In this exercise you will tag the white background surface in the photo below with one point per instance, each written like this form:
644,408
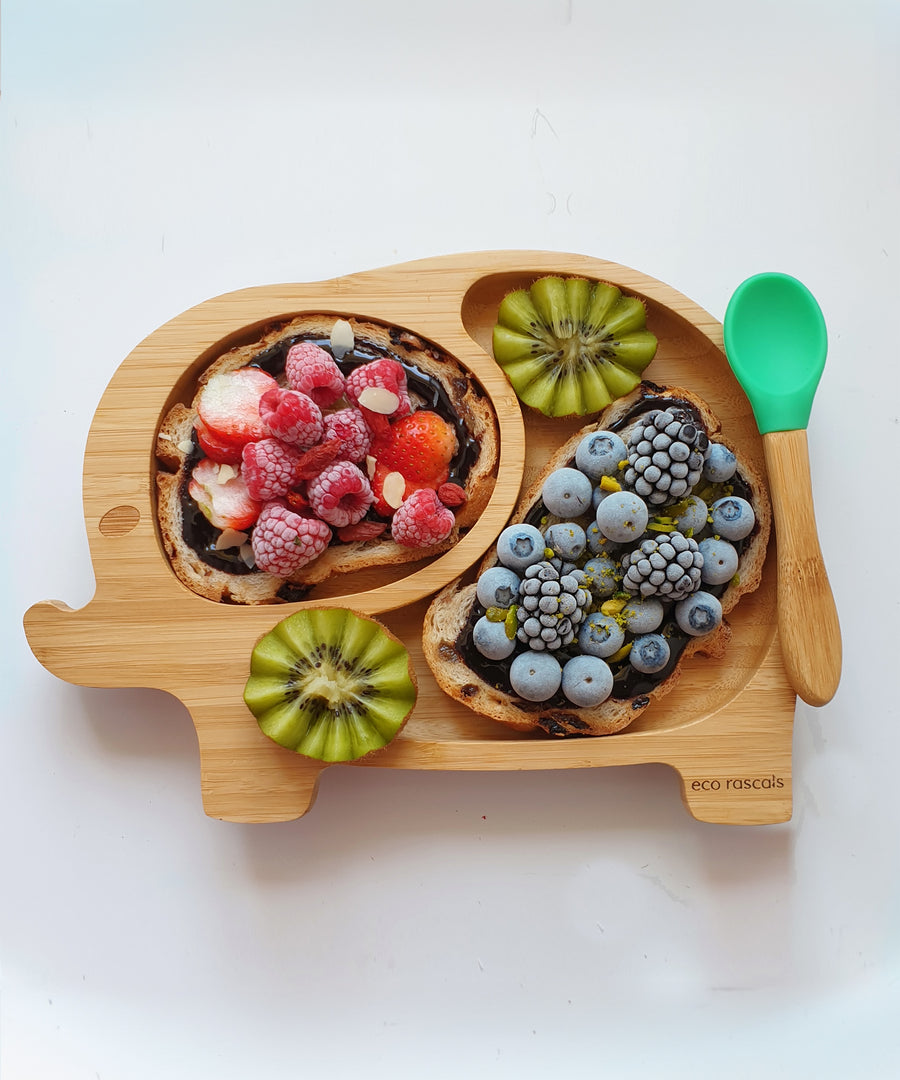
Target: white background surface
414,924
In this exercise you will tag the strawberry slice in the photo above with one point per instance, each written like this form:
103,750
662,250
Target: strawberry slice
226,504
224,451
228,408
380,504
421,446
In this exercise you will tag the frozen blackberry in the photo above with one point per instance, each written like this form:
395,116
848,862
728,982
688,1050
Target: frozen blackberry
665,456
552,607
667,565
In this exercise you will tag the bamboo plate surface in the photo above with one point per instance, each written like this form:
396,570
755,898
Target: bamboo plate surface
727,726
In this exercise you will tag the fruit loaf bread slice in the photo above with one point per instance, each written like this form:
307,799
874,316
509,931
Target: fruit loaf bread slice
434,381
484,684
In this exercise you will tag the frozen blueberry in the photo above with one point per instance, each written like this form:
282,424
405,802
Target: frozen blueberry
586,681
498,587
692,519
698,614
720,463
720,561
596,541
732,517
567,493
567,539
491,639
642,614
649,653
598,495
519,546
600,635
535,676
622,517
599,454
602,575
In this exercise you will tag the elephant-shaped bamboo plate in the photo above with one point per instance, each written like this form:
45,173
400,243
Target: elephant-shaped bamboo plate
727,726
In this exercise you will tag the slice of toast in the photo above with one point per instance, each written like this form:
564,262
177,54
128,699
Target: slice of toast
482,687
436,381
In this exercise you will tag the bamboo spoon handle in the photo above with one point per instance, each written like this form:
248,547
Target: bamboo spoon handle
807,617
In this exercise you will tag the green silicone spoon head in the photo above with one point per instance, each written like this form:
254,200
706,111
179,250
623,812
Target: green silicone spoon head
776,342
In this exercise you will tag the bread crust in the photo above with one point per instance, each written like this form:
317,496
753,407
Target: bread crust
174,460
449,613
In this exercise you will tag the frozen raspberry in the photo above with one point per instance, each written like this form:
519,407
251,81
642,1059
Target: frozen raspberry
349,425
340,494
422,520
270,468
292,417
283,541
309,369
386,374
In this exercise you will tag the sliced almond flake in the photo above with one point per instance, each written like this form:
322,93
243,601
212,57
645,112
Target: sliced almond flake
186,446
371,462
379,400
394,489
247,555
342,339
226,473
230,538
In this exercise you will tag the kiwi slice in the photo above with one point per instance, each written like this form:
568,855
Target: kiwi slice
330,684
570,346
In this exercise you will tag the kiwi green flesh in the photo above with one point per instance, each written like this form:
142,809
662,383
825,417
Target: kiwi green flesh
518,313
570,346
330,684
